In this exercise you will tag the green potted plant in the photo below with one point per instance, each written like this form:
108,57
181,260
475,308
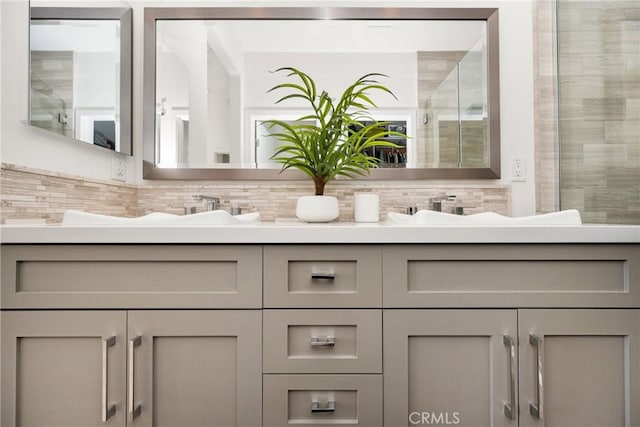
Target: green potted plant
336,138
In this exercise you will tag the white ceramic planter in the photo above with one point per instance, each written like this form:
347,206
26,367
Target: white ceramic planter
317,208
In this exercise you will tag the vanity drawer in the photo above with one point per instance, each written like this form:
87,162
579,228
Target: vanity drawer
131,276
322,341
317,276
307,399
542,275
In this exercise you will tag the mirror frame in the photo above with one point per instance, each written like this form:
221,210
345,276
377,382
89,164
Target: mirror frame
151,15
124,15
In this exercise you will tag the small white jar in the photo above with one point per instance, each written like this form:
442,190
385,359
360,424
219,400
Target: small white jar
365,207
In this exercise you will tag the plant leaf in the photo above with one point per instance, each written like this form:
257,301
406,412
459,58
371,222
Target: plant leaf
337,142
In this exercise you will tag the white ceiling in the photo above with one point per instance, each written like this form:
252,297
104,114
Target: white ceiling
75,35
344,36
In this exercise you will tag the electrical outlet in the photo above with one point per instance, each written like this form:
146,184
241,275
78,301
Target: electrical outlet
517,169
119,168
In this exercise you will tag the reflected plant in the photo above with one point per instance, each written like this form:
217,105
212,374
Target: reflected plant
332,139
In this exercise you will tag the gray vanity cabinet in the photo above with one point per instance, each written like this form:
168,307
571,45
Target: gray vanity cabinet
195,368
574,367
163,368
322,276
542,335
517,335
174,333
322,352
132,276
589,368
63,368
449,367
511,275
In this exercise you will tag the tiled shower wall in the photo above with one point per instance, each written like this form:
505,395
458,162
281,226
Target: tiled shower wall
52,90
29,195
433,69
599,109
438,141
589,158
545,106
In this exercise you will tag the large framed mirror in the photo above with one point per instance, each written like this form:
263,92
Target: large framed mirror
208,71
80,74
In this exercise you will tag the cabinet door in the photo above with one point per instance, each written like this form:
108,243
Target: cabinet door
195,368
579,368
63,368
450,367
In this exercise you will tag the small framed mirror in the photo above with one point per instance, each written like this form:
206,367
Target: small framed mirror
80,74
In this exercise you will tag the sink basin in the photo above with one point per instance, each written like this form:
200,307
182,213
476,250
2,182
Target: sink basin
219,217
425,217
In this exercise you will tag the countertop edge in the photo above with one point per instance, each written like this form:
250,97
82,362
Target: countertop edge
340,233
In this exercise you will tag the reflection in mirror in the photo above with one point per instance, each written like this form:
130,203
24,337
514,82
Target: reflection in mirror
80,64
209,90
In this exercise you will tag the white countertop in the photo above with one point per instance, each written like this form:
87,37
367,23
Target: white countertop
299,233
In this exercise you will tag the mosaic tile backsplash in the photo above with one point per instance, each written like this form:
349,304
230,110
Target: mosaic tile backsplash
36,196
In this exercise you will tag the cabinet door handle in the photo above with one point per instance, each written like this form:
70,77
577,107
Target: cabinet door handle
327,342
509,408
107,410
537,408
134,410
331,406
323,276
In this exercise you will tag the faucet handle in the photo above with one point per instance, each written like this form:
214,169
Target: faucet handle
212,202
237,207
436,202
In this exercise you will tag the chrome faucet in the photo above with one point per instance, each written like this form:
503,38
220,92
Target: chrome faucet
435,203
235,208
212,202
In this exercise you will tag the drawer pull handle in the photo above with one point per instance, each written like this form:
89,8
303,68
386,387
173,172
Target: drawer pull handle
537,408
509,408
331,406
327,342
134,410
107,410
323,276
